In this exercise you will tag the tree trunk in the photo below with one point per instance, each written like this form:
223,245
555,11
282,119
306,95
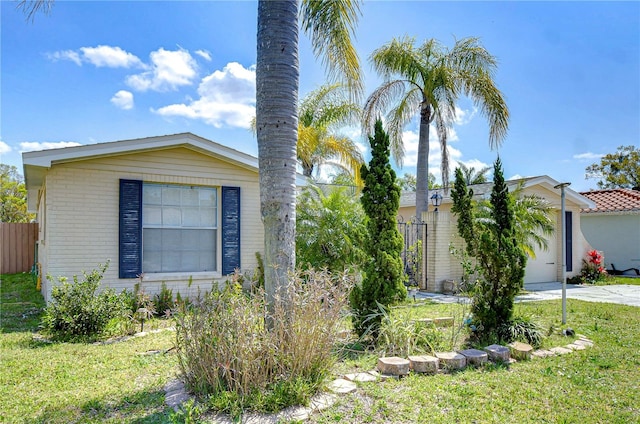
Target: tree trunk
277,131
422,167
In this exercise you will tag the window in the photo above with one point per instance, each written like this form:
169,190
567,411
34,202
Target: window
174,228
179,228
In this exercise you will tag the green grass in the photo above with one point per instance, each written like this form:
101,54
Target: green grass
73,382
597,385
90,383
21,303
615,279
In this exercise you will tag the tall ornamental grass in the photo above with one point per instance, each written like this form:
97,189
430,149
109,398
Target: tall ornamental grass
244,355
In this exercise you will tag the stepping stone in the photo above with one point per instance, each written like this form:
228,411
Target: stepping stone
560,350
175,394
361,377
342,386
291,414
498,353
322,401
474,356
583,342
173,386
443,322
452,360
392,365
424,364
541,353
175,399
520,351
574,346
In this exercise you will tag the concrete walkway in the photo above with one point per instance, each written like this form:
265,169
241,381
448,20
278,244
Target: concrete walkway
621,294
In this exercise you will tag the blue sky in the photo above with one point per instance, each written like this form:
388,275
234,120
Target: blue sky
104,71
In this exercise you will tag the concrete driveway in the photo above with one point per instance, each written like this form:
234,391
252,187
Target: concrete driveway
621,294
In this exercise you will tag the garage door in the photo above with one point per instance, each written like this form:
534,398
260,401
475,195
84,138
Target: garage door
544,268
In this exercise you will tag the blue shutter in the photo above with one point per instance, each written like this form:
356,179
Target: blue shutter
230,229
130,239
569,247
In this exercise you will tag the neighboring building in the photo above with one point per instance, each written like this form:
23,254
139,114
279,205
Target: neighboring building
441,231
613,226
178,209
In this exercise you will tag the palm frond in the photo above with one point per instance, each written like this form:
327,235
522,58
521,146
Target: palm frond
32,7
331,25
442,129
398,117
380,101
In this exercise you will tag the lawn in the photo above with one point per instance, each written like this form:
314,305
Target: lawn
73,382
597,385
66,382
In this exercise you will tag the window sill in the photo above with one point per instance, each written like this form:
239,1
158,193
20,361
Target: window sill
181,276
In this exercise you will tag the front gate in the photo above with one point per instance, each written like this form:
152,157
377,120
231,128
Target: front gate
413,233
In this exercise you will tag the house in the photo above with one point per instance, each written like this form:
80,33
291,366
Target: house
613,226
178,209
441,232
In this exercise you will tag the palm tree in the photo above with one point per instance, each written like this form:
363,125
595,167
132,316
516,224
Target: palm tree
533,219
330,24
429,79
471,176
320,112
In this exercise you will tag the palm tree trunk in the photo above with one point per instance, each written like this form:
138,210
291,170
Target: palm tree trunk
422,167
277,74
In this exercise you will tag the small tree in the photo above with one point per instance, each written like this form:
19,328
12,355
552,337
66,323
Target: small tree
382,283
494,244
618,170
13,196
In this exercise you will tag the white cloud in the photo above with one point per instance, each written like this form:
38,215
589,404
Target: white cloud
588,156
227,97
110,57
204,54
123,99
99,56
65,55
4,148
410,140
464,116
30,146
169,70
473,163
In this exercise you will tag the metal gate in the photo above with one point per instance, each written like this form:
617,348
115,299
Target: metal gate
413,233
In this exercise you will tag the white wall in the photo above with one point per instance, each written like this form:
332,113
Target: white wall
616,235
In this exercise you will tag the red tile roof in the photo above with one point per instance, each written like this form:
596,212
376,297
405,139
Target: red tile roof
614,200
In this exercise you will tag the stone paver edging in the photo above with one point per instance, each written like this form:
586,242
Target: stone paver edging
390,367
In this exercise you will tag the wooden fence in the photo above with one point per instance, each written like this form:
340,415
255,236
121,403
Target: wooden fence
17,244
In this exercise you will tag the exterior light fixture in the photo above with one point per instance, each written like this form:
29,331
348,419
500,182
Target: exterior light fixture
562,186
436,200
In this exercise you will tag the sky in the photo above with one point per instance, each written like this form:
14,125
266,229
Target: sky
93,72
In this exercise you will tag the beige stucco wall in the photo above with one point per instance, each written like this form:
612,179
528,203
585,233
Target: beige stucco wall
81,212
616,235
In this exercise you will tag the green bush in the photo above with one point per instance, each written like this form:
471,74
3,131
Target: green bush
78,312
523,329
228,352
163,302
